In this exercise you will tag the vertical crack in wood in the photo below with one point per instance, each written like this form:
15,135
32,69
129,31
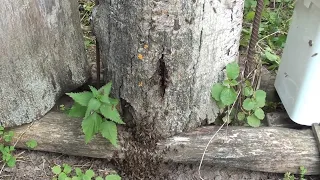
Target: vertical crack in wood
163,73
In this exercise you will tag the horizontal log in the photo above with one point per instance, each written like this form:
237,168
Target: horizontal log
267,149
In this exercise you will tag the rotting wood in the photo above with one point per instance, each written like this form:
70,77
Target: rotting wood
268,149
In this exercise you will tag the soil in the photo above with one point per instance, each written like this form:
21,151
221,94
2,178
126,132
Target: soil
33,165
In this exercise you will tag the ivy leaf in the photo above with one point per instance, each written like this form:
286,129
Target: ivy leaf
233,70
248,104
82,98
93,105
106,89
259,113
228,96
110,112
109,131
260,97
113,177
253,121
89,173
77,111
56,169
216,91
90,126
248,91
67,169
241,116
32,144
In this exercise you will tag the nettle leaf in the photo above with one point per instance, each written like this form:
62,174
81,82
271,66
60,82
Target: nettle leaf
248,104
56,170
233,70
228,96
113,177
90,126
77,111
260,97
114,101
95,92
253,121
241,116
216,91
109,131
248,91
82,98
111,112
93,105
106,89
259,113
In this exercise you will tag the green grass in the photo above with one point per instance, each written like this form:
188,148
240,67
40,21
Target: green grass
275,22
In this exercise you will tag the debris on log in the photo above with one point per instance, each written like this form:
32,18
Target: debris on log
267,149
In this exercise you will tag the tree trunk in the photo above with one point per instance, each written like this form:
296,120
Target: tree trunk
267,149
164,56
42,56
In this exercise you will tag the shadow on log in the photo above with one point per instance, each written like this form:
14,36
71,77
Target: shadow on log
268,149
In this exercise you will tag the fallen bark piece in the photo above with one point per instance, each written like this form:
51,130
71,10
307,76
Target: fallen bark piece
268,149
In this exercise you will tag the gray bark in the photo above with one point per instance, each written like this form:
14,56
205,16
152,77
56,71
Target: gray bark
268,149
42,56
184,45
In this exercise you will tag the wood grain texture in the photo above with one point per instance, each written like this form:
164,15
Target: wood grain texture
268,149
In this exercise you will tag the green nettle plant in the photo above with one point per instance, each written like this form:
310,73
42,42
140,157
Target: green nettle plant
226,93
6,151
98,111
65,173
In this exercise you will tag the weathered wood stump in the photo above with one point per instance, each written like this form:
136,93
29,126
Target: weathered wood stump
268,149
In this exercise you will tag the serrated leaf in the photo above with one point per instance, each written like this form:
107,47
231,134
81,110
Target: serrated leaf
216,91
62,176
56,169
32,144
248,91
260,97
79,172
77,111
253,121
113,101
82,98
233,70
111,112
228,96
106,89
241,116
90,126
11,162
248,104
89,173
94,91
93,105
113,177
67,169
109,131
259,113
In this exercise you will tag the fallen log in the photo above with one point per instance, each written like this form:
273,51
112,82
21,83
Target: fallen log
267,149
